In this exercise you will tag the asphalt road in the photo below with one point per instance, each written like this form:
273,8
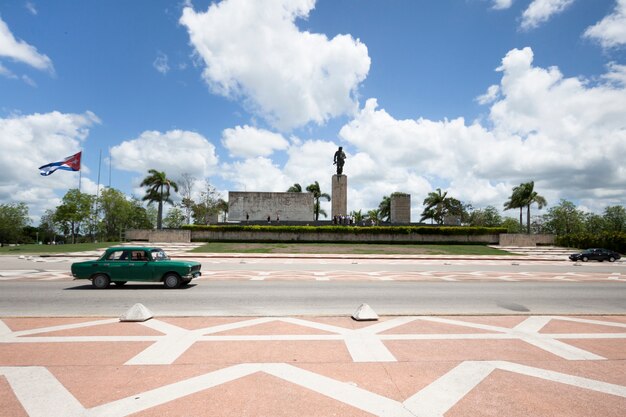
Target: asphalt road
278,298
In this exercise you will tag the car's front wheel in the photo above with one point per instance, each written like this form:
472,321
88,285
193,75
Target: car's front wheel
585,259
611,258
101,281
171,281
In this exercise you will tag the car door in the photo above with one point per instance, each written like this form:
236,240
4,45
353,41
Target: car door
115,264
139,266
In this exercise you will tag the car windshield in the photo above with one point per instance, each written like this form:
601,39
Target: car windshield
159,255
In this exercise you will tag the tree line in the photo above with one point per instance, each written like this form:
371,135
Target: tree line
85,217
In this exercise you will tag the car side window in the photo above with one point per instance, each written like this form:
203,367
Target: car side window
138,255
117,255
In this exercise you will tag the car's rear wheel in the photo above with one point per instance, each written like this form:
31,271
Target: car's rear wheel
585,259
171,281
611,258
101,281
120,283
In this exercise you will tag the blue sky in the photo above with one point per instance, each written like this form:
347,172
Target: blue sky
472,96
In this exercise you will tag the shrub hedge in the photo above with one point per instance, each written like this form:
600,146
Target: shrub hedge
609,240
398,230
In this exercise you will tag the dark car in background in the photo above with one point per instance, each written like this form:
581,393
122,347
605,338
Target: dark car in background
119,265
595,254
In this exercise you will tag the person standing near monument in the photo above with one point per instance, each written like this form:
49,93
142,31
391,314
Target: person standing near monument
339,160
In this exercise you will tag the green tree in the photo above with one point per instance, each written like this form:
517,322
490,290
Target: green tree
186,184
434,206
487,217
207,206
222,207
511,225
374,216
594,223
47,227
116,213
516,200
158,191
615,219
317,195
384,209
564,219
75,210
529,197
358,216
296,188
13,219
175,218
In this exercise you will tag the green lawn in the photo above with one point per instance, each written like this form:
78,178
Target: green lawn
45,249
347,248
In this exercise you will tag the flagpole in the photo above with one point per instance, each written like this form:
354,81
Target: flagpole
98,188
80,171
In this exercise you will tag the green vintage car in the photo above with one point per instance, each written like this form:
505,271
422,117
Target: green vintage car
136,263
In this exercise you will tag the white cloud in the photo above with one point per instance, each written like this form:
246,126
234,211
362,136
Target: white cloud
21,51
5,72
254,50
175,152
610,31
249,141
490,96
30,141
256,174
502,4
31,8
161,63
566,134
540,11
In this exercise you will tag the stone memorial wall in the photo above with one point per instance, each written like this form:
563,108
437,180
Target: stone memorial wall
278,206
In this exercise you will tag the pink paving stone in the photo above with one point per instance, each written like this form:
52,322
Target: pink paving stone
512,395
9,404
96,385
398,381
565,326
428,327
265,351
194,323
273,328
613,372
607,348
460,350
111,329
501,321
257,395
61,354
347,322
28,323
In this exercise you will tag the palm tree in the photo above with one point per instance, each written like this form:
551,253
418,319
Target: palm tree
434,206
516,200
374,216
296,188
317,194
384,209
530,196
158,191
358,216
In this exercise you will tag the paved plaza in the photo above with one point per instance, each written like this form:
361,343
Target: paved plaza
427,366
314,366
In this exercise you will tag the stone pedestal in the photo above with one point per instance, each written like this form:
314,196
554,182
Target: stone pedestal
400,208
339,197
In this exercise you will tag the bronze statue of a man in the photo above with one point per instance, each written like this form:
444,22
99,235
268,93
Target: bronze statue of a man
339,160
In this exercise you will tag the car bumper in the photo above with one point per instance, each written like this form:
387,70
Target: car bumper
192,275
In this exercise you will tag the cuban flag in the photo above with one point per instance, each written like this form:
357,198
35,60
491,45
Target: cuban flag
71,163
